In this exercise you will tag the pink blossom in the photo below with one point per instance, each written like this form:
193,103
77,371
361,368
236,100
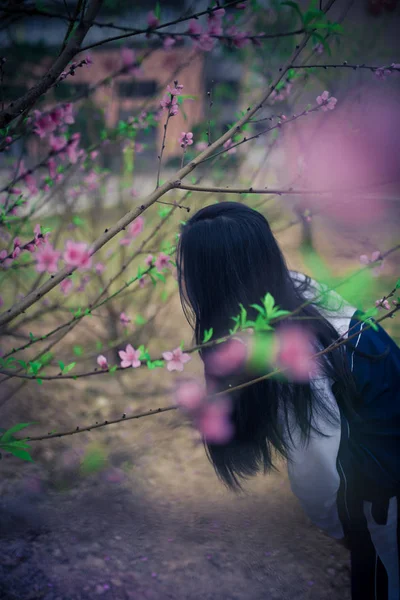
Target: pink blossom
142,282
92,181
239,38
149,260
194,27
228,357
76,254
152,20
68,116
124,318
30,183
228,147
169,42
44,124
128,61
17,248
326,102
176,359
185,139
176,90
40,239
5,262
170,103
66,286
72,148
375,257
47,258
382,304
57,143
102,361
94,154
162,261
215,21
213,422
129,357
57,116
136,227
99,268
200,146
189,395
295,353
205,42
318,48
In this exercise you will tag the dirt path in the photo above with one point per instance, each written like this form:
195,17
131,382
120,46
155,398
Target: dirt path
155,524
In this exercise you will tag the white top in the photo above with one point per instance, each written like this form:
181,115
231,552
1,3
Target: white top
312,468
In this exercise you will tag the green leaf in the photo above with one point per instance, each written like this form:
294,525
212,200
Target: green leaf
160,276
113,368
69,367
139,320
99,345
208,335
295,7
22,363
78,221
62,365
78,350
78,313
31,336
8,434
20,453
397,286
259,308
157,11
34,367
40,381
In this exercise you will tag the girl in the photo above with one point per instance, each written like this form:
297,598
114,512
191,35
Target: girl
339,432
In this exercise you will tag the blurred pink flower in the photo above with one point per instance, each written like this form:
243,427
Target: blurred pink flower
168,42
129,357
189,395
194,27
99,267
295,353
149,260
228,357
176,359
200,146
124,318
162,261
47,258
102,361
66,285
152,20
214,423
76,254
228,145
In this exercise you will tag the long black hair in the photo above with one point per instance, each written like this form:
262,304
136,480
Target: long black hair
227,255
